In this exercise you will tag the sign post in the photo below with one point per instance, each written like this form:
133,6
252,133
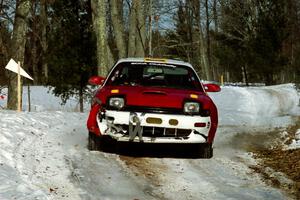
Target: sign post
222,80
19,87
16,67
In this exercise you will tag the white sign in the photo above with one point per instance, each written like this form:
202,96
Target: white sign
13,66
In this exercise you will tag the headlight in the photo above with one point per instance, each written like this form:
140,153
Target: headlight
117,102
191,108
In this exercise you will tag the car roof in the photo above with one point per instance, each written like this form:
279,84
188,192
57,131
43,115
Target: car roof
156,60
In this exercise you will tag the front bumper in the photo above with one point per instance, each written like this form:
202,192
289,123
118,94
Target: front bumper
154,128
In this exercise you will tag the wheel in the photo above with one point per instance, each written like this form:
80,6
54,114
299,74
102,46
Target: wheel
93,142
206,150
101,143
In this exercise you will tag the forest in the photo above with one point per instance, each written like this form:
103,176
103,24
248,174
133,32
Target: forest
61,43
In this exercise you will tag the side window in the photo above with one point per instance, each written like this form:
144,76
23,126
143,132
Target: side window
114,77
122,77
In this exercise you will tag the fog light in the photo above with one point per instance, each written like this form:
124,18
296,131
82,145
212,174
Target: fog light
153,120
173,122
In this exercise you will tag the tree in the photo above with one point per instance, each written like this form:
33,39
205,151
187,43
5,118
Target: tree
205,55
33,50
104,56
140,30
4,54
43,38
18,48
71,50
118,27
267,43
291,46
208,40
132,37
188,41
257,34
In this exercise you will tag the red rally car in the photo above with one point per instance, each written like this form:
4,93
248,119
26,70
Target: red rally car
153,101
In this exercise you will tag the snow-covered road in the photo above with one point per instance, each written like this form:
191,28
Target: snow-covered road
43,155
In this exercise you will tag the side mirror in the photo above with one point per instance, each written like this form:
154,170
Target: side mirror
96,80
210,87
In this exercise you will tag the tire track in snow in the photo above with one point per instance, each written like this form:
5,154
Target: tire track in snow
40,160
225,176
148,169
104,176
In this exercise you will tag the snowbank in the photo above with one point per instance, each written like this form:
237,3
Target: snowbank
257,106
34,148
42,99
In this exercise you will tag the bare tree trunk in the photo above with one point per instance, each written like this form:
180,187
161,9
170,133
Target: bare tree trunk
189,17
150,28
44,44
245,76
34,63
29,98
18,49
201,49
208,50
132,29
81,99
110,58
215,63
118,26
2,47
215,13
99,22
203,55
140,30
4,57
137,30
34,59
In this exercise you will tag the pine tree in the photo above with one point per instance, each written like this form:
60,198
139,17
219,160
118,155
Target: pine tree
71,56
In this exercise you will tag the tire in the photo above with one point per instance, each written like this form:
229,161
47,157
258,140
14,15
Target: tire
101,143
93,142
206,150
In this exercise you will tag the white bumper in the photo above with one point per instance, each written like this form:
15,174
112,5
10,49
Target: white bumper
172,128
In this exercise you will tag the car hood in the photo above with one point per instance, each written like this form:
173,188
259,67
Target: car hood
153,96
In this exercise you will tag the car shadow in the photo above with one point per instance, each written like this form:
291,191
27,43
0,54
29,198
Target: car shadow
153,150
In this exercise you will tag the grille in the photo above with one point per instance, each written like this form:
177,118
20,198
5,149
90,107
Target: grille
162,132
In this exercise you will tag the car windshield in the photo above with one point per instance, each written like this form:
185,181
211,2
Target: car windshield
154,75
